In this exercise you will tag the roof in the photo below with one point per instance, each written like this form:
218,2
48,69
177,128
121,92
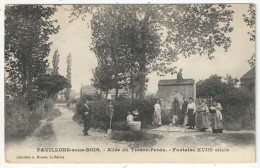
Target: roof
120,91
250,74
89,89
176,82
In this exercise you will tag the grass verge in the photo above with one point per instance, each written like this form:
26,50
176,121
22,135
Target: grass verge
136,138
45,132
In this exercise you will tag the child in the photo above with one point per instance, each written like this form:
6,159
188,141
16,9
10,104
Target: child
130,117
136,115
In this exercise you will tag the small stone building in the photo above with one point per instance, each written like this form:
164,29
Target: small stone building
169,89
248,81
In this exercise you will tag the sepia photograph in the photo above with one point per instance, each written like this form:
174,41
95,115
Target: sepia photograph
130,83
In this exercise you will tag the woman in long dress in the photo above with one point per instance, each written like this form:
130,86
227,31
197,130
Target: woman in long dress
216,117
202,116
191,113
157,118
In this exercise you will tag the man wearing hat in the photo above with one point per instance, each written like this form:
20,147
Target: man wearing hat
86,115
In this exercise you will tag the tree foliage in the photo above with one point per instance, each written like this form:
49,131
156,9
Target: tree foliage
27,45
219,88
252,60
250,21
52,84
69,64
154,36
103,78
55,62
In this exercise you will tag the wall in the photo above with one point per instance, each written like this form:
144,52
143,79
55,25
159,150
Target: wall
167,93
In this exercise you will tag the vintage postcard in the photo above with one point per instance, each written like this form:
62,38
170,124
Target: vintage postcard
130,83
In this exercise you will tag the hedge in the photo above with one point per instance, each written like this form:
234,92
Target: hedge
121,107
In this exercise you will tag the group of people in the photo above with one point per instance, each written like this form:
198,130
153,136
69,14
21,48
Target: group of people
86,113
198,116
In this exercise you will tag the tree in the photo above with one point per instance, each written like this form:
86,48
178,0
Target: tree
103,78
109,45
230,81
69,63
211,87
172,30
55,62
52,84
251,61
249,19
27,45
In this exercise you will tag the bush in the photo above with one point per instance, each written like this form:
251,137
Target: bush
48,105
238,105
121,107
21,119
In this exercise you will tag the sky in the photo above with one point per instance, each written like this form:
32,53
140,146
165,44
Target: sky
75,38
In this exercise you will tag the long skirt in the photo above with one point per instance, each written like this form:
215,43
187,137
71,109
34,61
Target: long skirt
185,120
216,124
157,118
191,118
202,120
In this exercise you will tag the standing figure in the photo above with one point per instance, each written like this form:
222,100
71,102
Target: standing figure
191,113
157,118
202,116
110,112
184,112
86,115
179,76
216,117
176,111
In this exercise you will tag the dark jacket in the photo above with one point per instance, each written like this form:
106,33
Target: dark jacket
86,110
184,107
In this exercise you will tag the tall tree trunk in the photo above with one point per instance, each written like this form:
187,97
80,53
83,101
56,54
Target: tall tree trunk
106,93
116,72
141,53
132,94
117,91
142,75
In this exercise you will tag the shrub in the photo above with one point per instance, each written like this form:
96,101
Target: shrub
21,119
238,105
48,105
121,108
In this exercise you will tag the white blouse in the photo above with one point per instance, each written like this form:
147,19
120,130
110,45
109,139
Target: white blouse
157,107
191,106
